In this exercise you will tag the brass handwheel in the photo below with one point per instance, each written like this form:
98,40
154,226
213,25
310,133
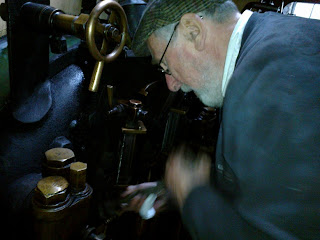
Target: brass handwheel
90,30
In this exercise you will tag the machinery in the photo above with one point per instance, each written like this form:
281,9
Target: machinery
85,119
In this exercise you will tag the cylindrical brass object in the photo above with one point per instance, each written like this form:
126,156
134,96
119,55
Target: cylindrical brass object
46,18
59,157
78,172
58,162
110,95
97,71
75,25
96,76
59,214
64,22
51,190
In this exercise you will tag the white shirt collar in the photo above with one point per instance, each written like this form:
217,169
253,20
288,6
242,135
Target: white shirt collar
234,49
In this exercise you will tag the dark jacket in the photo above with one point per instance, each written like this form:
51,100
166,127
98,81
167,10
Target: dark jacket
267,167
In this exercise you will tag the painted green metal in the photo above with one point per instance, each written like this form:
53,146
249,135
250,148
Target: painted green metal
4,73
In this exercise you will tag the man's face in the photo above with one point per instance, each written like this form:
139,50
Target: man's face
190,70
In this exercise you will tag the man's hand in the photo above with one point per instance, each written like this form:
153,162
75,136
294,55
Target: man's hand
184,173
137,201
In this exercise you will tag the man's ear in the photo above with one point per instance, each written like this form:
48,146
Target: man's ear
193,30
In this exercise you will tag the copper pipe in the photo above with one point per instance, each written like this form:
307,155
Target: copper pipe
63,22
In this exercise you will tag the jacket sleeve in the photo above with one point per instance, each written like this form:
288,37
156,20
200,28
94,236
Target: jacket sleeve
208,215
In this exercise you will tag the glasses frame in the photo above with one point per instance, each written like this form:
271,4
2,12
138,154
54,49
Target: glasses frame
160,68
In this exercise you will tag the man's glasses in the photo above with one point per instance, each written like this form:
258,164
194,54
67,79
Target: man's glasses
160,68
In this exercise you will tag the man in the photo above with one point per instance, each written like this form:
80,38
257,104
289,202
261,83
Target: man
264,69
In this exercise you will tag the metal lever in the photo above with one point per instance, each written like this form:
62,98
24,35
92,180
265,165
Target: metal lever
110,95
109,32
97,71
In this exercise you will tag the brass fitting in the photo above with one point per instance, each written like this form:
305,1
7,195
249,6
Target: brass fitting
58,161
51,190
78,172
59,157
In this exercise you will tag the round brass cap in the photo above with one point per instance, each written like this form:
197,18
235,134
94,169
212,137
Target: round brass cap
78,166
59,157
51,190
78,172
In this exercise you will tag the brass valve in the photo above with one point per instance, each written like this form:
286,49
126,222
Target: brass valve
86,27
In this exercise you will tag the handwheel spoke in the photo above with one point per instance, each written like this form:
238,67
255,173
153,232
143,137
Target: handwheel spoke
112,32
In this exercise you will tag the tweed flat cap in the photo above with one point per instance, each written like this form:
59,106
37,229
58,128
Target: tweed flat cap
160,13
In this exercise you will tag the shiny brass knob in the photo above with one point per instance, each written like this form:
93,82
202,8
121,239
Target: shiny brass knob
135,103
59,157
78,171
51,190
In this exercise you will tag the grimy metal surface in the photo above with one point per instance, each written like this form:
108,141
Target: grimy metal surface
28,53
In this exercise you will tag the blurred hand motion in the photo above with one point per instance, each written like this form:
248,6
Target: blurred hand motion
135,195
186,169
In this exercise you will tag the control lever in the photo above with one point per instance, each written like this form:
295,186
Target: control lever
99,55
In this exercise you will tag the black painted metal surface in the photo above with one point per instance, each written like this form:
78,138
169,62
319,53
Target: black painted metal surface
28,63
22,146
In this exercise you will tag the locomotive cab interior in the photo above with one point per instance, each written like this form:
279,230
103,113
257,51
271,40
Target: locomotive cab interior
82,118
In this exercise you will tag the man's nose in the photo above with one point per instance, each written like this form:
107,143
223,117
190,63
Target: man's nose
173,84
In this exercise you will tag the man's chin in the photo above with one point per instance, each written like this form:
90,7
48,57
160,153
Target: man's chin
205,97
210,101
185,88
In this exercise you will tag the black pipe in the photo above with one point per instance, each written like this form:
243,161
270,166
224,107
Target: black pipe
262,6
38,16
